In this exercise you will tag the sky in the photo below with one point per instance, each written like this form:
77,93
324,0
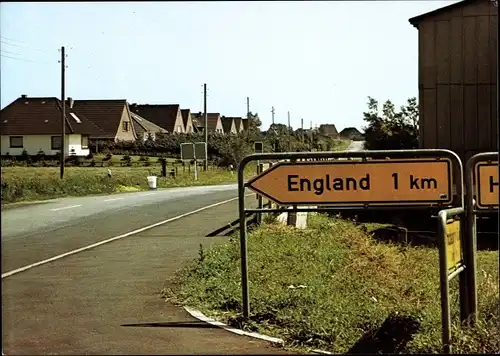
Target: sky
317,60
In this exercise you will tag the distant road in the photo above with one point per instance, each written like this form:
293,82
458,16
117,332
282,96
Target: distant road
356,146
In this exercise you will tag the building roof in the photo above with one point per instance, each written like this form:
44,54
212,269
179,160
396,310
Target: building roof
244,123
212,119
161,115
238,122
106,114
143,126
328,129
186,115
227,124
417,19
42,116
197,120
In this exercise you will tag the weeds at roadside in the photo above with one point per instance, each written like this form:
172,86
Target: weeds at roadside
333,287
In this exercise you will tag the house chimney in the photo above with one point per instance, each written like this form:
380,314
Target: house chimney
70,102
24,96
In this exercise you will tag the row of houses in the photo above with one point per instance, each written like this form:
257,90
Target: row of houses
33,124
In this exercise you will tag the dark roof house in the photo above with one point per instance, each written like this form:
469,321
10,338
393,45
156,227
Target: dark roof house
187,120
245,124
214,122
329,130
111,116
167,116
228,125
238,122
42,116
144,127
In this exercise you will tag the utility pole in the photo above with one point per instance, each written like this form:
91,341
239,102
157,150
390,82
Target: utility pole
63,104
205,115
302,128
248,107
272,112
289,133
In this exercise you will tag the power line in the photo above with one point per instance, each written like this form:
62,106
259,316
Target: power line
13,40
20,46
8,52
23,59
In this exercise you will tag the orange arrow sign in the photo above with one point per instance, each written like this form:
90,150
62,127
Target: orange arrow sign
487,187
357,182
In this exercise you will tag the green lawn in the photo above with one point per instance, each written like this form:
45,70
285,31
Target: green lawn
38,183
331,285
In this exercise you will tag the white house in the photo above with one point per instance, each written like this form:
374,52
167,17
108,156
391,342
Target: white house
34,124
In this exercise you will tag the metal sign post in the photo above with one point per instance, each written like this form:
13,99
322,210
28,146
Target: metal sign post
481,181
451,264
415,179
200,149
188,153
258,147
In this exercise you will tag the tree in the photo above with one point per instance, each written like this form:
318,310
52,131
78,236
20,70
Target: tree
391,129
254,124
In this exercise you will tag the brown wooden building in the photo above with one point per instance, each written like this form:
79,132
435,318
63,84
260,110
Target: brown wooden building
457,49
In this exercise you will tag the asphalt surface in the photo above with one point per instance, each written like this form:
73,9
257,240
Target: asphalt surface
81,304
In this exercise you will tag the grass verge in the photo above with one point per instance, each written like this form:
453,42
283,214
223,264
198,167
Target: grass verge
38,183
333,287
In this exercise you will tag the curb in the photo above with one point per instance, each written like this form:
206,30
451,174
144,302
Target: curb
202,317
21,204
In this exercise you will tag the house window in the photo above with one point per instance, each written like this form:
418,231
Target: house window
85,141
125,126
55,142
16,141
179,129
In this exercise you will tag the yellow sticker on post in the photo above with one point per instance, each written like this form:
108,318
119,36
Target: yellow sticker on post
453,246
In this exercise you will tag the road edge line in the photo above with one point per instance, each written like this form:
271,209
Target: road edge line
202,317
195,313
134,232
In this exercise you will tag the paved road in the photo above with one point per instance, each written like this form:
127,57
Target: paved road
80,304
356,146
57,212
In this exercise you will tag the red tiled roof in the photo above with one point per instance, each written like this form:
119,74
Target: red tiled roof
161,115
42,116
106,114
